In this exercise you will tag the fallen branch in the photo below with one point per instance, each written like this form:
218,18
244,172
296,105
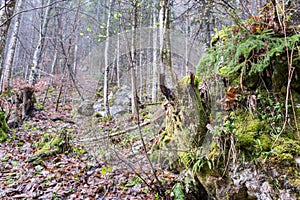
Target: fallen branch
157,115
62,119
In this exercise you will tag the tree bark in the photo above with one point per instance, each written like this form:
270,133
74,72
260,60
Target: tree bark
165,40
6,11
154,65
106,71
38,51
134,102
11,49
118,51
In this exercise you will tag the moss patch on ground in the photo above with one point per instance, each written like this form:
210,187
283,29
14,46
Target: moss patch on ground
3,127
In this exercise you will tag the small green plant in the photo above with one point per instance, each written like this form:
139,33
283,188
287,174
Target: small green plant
134,182
105,170
156,196
270,110
178,191
200,163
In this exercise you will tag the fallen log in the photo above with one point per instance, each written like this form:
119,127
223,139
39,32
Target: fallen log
156,116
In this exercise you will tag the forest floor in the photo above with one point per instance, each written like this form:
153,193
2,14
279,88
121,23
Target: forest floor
78,167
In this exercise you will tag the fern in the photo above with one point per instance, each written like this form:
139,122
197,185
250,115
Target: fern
245,53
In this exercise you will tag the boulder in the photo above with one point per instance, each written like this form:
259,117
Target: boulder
119,102
86,108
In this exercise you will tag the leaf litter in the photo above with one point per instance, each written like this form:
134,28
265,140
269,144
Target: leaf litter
75,173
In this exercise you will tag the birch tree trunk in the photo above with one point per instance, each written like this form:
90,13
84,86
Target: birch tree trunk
161,21
134,102
106,71
6,11
6,77
75,56
118,51
140,65
38,51
154,65
75,35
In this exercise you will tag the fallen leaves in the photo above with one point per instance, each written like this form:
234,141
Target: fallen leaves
230,100
73,174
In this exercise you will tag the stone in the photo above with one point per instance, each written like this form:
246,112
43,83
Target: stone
86,108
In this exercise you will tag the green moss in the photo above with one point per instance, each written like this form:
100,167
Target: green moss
47,144
285,149
3,136
246,140
185,81
56,142
214,153
45,149
185,126
295,182
265,142
285,157
247,131
3,124
3,127
287,145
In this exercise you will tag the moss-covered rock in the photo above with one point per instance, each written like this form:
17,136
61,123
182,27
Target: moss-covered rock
285,149
255,148
3,127
250,132
52,144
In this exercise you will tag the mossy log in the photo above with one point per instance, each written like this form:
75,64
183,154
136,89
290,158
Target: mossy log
51,145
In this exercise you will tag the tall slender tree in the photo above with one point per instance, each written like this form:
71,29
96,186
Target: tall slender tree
6,12
106,57
134,100
165,40
8,64
38,50
154,64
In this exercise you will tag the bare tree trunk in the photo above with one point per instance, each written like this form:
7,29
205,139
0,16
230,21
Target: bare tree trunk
140,66
67,51
118,56
38,51
11,50
134,102
162,29
164,36
106,71
187,38
75,56
51,76
6,11
75,28
155,67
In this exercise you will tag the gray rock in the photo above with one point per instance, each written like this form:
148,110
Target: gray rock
119,102
86,108
99,109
